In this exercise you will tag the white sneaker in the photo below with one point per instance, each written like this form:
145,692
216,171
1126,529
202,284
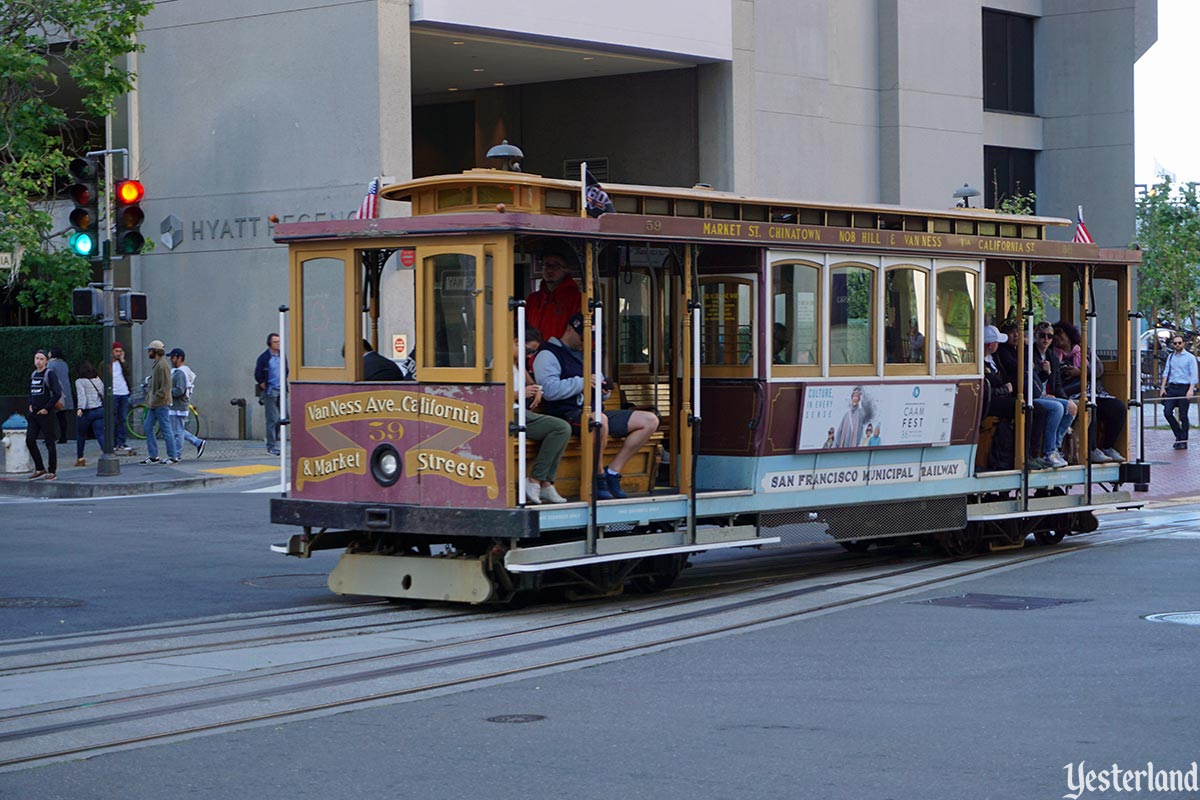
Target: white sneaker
1098,456
533,491
551,495
1113,455
1055,460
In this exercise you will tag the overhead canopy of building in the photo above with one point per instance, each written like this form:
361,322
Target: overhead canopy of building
460,46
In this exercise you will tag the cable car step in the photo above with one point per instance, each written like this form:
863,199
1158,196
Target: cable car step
574,554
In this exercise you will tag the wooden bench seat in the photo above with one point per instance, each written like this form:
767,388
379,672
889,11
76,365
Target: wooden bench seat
638,475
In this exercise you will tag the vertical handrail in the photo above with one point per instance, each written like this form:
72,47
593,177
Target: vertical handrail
284,417
1027,406
1135,318
519,389
597,333
1088,393
694,418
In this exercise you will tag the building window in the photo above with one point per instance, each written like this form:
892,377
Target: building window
1008,172
1007,62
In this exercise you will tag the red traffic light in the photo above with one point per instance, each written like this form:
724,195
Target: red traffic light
130,192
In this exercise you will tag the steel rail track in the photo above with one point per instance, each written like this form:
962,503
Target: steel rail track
516,649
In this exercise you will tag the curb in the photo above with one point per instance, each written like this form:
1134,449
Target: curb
60,489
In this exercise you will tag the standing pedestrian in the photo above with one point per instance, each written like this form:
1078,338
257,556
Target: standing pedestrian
158,398
58,363
180,411
267,376
45,392
89,415
1178,385
120,391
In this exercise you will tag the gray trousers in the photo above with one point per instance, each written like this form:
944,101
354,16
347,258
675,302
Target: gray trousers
553,434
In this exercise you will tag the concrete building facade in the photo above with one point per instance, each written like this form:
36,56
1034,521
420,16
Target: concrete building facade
248,110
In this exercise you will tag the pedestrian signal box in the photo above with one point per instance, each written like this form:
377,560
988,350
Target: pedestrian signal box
87,303
131,307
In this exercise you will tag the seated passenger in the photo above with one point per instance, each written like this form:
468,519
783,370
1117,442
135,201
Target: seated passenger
1003,403
549,308
1048,393
377,367
1106,424
553,433
1066,347
558,369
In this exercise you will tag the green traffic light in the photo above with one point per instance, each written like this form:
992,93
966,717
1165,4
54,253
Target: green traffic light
82,244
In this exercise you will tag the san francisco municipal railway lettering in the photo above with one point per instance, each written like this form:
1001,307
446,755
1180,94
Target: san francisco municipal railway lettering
911,472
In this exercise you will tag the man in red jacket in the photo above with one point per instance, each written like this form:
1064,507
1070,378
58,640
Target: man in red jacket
559,298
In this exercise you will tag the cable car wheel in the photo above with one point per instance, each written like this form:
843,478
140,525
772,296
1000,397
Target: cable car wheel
960,543
1060,526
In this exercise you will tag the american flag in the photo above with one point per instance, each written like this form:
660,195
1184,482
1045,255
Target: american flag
1081,232
370,204
597,200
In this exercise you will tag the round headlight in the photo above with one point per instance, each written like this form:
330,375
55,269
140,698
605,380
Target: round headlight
385,465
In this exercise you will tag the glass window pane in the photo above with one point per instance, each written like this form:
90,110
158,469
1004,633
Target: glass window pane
851,308
956,317
1107,326
323,311
906,299
453,282
633,307
797,297
727,334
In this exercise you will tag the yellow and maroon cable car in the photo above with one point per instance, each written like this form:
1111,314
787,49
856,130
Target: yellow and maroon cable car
812,367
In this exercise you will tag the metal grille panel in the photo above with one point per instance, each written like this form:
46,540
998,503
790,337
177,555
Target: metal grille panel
868,521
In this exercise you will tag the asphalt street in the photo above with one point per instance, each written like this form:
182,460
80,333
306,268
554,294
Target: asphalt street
897,698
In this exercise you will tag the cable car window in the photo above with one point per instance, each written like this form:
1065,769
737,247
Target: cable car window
633,307
727,335
323,311
1104,331
795,306
851,309
956,317
906,301
453,280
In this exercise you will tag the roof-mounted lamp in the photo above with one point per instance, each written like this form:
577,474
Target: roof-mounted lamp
508,155
964,195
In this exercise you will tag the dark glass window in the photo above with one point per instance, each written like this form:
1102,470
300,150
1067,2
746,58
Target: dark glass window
1007,172
1007,62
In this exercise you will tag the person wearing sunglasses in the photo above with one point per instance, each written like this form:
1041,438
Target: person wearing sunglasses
1178,385
1049,396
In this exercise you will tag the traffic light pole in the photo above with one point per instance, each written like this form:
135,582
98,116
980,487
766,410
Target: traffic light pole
109,464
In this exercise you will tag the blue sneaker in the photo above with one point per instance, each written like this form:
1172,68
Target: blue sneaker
614,485
602,492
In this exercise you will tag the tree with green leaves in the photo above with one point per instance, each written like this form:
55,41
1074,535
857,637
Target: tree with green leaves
60,76
1168,232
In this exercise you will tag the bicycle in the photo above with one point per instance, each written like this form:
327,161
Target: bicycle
135,420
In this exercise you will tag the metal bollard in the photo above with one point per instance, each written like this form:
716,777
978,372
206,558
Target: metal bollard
240,402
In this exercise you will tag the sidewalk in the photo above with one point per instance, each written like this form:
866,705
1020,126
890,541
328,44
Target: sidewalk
223,461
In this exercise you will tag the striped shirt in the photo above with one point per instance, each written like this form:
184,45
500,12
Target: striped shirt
89,392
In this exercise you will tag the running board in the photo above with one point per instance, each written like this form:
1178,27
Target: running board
1048,506
623,548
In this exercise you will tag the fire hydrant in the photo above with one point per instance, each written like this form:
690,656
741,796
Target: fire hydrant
16,454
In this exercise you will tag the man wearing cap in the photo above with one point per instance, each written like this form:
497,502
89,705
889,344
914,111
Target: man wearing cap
181,404
549,308
120,393
158,398
558,369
